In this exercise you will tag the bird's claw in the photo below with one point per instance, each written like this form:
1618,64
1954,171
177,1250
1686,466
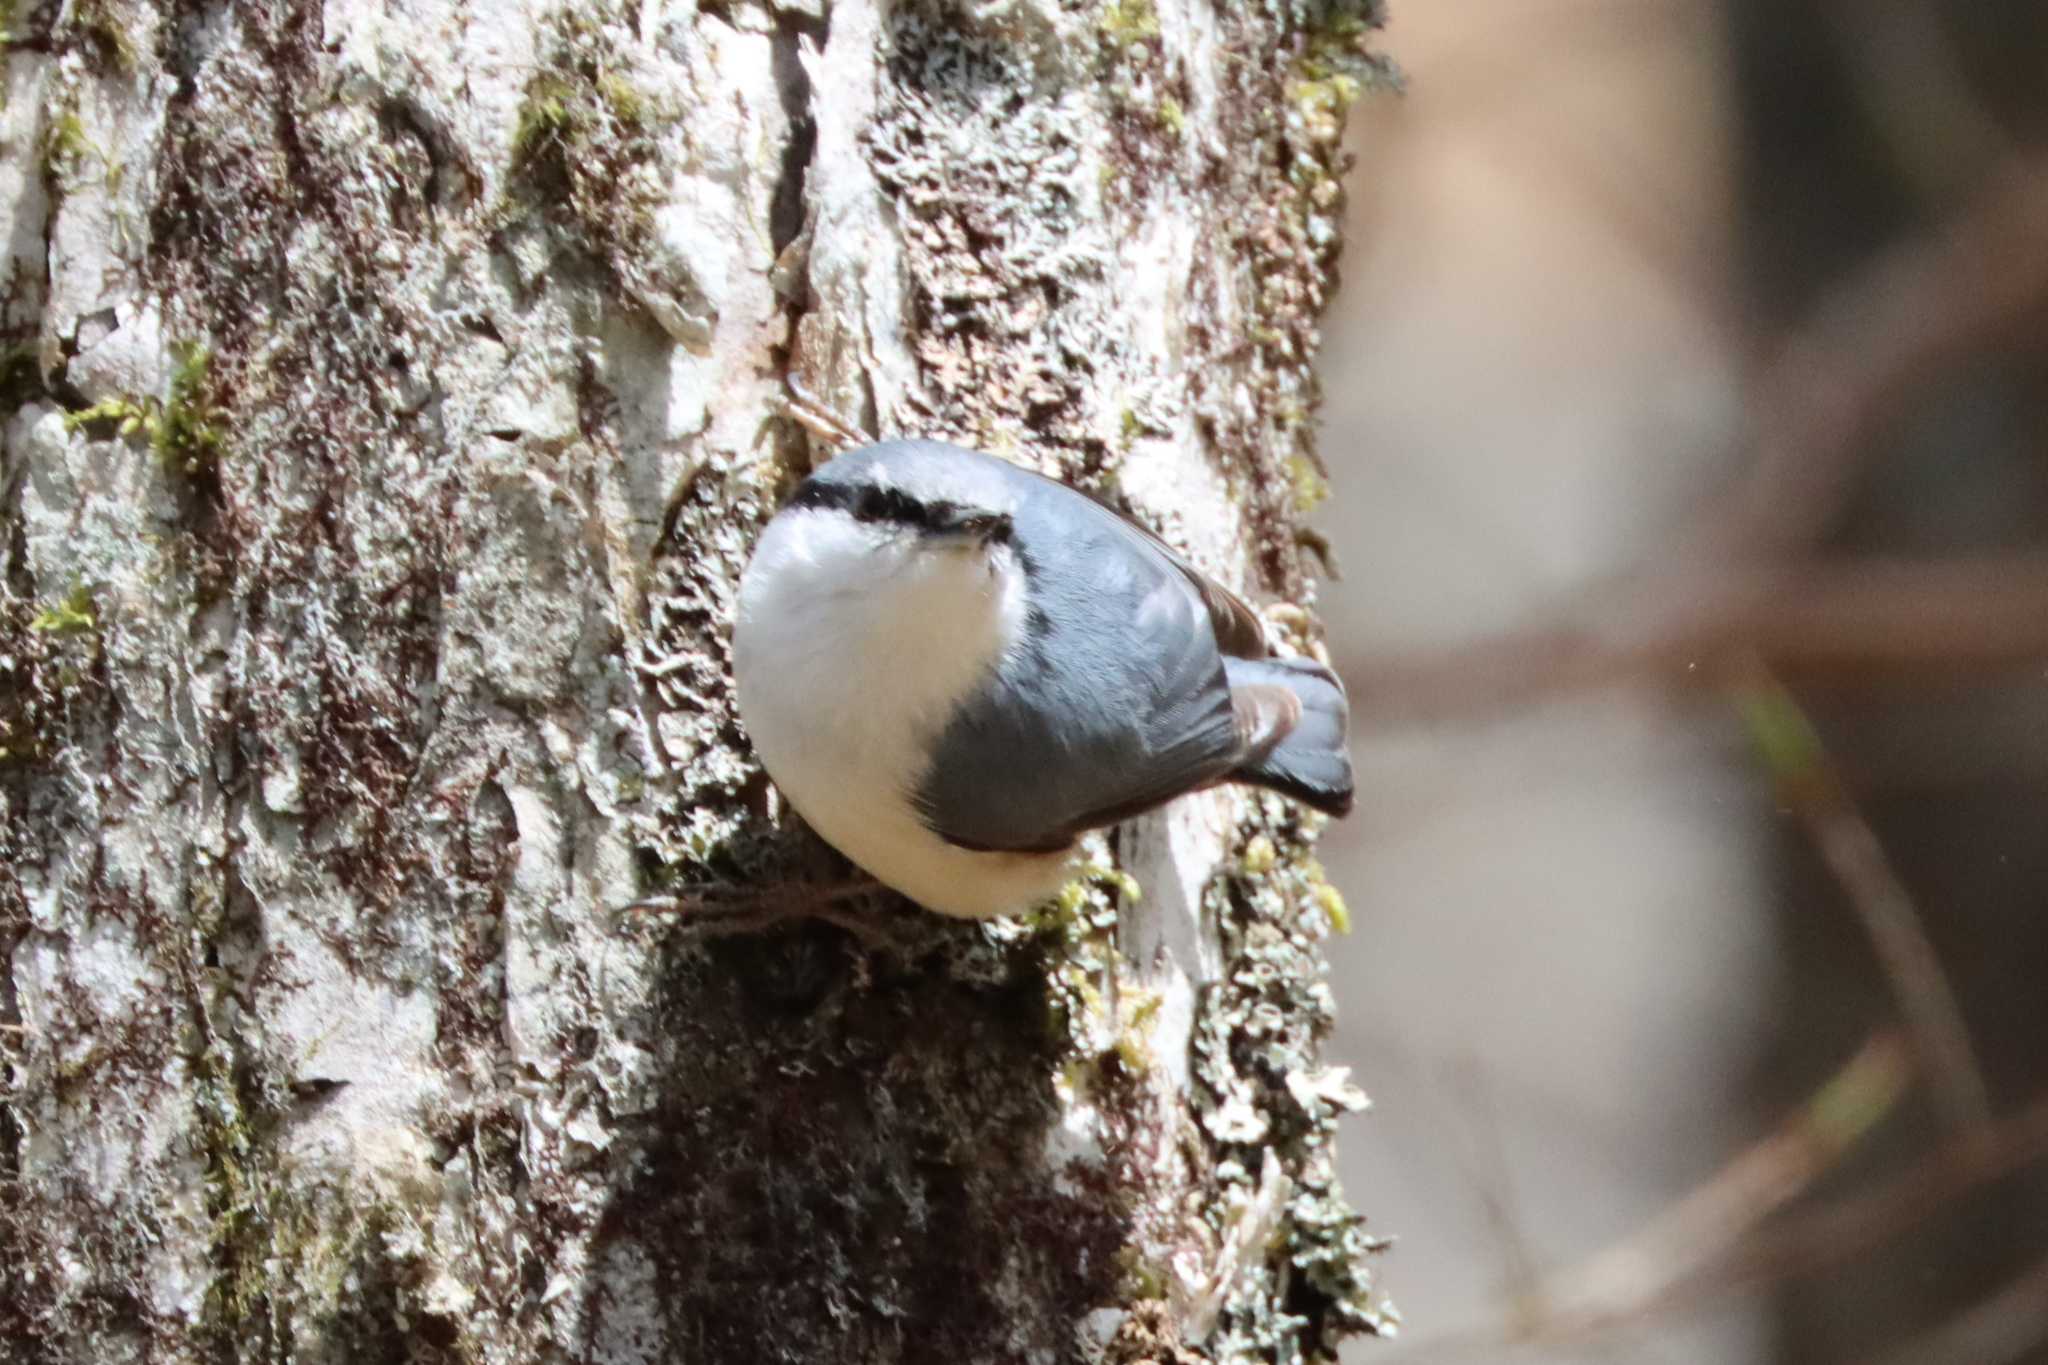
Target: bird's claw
723,911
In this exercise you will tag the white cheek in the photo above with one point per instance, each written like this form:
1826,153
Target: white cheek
854,644
852,648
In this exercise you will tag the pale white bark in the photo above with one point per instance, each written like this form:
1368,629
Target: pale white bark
396,402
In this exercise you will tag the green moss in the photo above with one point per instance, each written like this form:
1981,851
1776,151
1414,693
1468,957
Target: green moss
104,25
72,616
1172,116
45,672
67,154
189,433
125,413
1124,22
293,1259
1138,1014
1076,932
16,747
293,1262
184,428
585,132
630,108
546,117
1335,67
258,1224
1290,91
1323,98
99,29
1311,489
243,1215
1324,896
65,149
1142,1280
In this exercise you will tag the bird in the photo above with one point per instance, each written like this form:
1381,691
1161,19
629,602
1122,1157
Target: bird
953,667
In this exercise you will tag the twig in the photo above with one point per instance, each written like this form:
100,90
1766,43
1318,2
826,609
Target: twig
1808,780
1706,1222
1912,316
1919,311
1984,613
1999,1330
1846,1229
1915,91
1494,1182
1802,1245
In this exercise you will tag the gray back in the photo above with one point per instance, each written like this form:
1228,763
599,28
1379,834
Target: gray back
1115,700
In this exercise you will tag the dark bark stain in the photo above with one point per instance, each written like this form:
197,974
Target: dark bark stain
858,1178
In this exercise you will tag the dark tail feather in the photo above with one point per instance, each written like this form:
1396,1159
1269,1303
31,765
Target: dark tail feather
1311,762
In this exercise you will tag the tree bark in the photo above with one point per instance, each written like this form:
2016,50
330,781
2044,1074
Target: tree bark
392,395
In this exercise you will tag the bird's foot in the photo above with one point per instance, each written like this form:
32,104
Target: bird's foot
721,911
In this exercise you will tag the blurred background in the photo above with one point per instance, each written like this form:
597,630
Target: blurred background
1687,403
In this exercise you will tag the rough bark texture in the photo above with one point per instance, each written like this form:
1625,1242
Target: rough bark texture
390,398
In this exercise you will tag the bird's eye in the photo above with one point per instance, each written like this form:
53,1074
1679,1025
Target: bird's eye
873,505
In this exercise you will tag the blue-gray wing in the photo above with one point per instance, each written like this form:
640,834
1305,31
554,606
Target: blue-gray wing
1115,702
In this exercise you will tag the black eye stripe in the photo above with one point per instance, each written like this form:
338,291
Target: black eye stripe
894,505
875,503
814,493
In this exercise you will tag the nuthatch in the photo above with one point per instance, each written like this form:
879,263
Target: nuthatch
953,668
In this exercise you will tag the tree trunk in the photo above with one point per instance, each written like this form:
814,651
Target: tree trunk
392,396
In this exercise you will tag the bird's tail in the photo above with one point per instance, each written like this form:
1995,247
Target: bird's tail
1309,759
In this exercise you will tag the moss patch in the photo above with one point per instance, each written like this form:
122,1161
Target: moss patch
584,149
49,668
184,428
66,152
106,31
301,1269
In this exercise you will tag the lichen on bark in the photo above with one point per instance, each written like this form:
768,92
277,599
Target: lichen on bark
390,400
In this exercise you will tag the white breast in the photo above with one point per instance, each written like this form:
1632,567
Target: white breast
853,644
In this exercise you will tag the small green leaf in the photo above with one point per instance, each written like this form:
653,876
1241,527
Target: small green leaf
1784,738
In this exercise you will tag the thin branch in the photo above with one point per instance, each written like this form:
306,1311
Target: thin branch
1916,93
1848,1228
1704,1223
1808,779
1495,1185
1914,315
1802,1245
1997,1331
1987,613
